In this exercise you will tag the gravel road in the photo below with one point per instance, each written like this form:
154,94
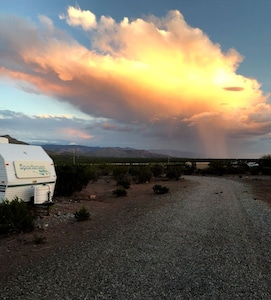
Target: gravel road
210,242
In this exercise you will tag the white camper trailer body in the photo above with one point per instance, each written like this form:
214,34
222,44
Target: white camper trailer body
26,172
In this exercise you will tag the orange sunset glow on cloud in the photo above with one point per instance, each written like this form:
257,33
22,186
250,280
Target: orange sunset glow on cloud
151,71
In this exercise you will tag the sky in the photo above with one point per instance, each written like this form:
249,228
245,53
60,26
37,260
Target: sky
186,75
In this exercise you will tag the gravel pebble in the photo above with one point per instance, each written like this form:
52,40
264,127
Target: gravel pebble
212,242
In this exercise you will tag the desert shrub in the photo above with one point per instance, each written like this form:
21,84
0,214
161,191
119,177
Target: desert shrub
72,179
188,169
141,174
104,169
266,171
174,172
92,173
82,214
157,170
254,171
15,216
120,192
39,239
124,182
216,167
235,169
120,172
265,161
159,189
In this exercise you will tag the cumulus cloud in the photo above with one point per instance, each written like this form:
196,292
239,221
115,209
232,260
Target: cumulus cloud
75,133
76,17
44,127
116,127
153,71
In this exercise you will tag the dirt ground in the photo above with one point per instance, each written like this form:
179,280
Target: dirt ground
261,187
59,229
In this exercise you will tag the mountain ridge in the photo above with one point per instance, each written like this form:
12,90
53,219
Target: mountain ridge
97,151
117,152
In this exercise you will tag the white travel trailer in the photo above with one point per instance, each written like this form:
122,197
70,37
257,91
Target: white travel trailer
26,172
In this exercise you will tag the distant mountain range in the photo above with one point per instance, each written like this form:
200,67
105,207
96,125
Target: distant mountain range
101,151
107,151
116,152
176,153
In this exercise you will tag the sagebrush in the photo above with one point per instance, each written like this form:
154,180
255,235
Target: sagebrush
15,216
159,189
82,214
120,192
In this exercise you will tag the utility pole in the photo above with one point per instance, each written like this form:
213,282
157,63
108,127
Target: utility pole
73,158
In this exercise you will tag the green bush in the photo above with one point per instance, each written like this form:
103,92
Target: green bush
120,192
266,171
124,182
120,172
174,172
82,215
216,167
157,170
144,175
254,170
141,174
15,216
39,239
72,179
158,189
265,161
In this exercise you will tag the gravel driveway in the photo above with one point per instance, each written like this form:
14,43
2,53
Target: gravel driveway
210,242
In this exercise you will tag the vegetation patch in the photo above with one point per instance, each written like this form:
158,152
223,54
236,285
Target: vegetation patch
71,179
82,214
159,189
15,216
120,192
39,239
174,172
124,182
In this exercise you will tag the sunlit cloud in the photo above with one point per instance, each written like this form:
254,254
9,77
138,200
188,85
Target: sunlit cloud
76,17
234,88
76,133
115,127
39,128
55,116
151,71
